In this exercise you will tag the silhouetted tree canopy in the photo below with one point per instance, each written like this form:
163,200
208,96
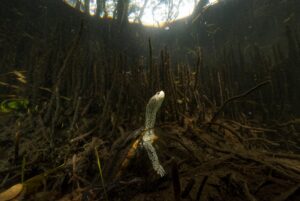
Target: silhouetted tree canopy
123,10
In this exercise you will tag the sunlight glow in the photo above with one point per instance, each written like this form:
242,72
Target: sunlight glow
160,16
156,13
93,6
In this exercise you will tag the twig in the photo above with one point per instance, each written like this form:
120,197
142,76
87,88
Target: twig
252,128
237,97
236,134
262,139
248,156
201,187
247,193
292,122
188,188
75,116
81,137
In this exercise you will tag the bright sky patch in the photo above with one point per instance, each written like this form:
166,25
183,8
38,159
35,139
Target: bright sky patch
156,13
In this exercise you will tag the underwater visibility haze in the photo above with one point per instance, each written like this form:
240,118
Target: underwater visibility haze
149,100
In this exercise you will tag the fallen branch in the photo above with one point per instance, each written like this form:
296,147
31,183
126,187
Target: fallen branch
213,119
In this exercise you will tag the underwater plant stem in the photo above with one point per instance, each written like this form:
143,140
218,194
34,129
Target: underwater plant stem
101,175
237,97
17,143
23,169
201,187
75,116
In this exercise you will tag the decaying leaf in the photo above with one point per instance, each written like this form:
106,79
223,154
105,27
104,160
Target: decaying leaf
12,193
